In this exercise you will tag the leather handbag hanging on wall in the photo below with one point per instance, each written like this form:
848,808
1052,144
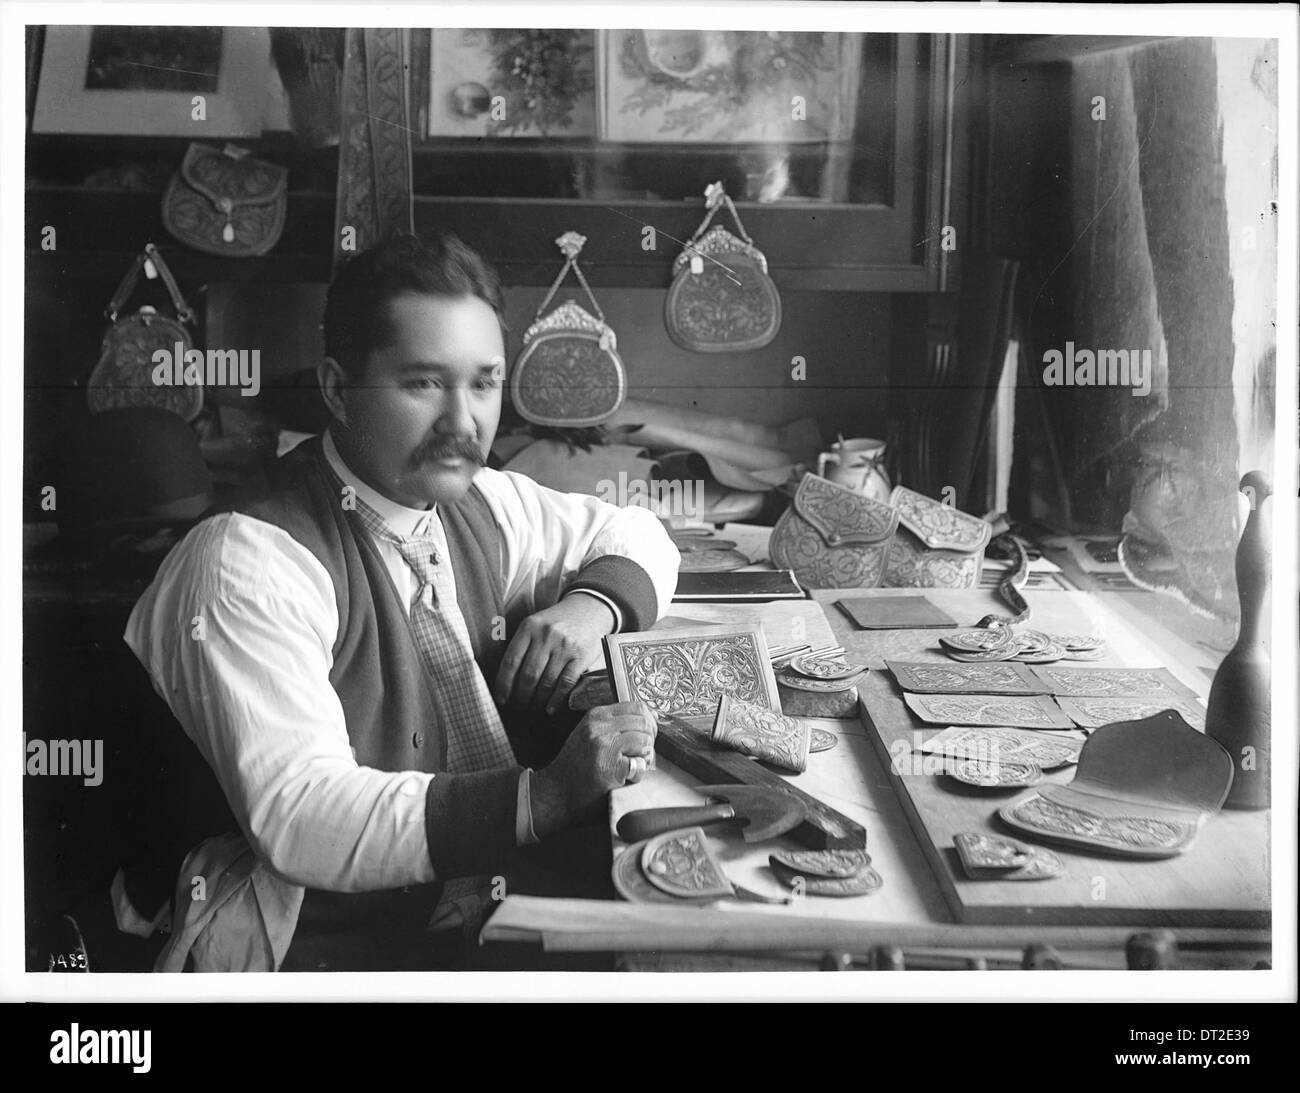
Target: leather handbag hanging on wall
937,546
568,373
833,537
124,375
224,201
721,299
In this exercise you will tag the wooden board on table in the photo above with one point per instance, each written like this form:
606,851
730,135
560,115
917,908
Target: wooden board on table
1222,881
689,748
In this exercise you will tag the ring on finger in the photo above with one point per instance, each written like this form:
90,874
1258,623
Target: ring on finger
636,766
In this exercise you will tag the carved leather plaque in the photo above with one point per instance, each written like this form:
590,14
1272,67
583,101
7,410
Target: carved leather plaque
1004,745
1092,713
1140,683
687,671
999,678
1025,711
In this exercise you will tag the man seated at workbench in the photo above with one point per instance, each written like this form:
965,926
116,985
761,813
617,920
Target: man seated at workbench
338,646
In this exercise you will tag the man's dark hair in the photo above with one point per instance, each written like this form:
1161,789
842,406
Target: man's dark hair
357,317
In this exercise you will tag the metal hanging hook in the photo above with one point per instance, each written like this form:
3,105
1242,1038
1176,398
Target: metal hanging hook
571,244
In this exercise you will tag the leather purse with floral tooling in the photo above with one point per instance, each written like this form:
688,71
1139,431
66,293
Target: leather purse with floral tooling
568,373
721,299
833,537
937,546
123,376
224,201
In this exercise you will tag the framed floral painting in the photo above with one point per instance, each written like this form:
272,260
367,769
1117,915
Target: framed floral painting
512,83
715,86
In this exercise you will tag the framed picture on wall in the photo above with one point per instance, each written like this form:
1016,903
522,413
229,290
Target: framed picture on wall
127,80
512,83
714,86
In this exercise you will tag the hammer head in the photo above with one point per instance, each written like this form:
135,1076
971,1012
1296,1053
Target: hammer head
765,813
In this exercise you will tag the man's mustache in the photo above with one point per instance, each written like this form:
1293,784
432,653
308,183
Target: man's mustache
444,448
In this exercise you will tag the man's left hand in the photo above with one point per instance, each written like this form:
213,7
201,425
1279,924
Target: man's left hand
550,650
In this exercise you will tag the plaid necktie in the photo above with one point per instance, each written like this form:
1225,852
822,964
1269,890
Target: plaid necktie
476,738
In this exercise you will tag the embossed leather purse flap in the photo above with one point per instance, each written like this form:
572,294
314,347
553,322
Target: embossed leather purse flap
939,526
1142,788
841,516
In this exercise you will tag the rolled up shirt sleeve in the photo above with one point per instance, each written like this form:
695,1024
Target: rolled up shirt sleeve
554,543
236,633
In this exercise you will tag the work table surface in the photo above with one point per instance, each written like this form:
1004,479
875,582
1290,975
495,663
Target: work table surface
853,779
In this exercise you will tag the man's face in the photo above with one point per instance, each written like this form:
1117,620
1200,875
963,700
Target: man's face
421,417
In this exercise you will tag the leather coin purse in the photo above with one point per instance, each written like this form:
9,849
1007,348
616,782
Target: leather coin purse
721,299
224,201
833,537
568,373
123,376
937,546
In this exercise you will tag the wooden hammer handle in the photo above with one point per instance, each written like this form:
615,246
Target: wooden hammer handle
645,822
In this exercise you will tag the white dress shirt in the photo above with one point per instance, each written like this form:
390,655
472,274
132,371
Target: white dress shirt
237,632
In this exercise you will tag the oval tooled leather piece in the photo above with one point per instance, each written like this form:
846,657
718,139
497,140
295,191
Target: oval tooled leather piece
631,883
822,863
860,884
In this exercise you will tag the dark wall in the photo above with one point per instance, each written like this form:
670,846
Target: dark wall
843,338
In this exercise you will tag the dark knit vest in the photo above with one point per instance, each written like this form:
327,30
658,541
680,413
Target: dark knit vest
391,705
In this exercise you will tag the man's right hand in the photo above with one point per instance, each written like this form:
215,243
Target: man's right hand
597,757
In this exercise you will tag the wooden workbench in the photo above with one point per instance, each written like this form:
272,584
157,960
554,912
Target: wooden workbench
915,907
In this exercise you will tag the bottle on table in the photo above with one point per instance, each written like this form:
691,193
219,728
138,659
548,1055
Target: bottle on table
1239,715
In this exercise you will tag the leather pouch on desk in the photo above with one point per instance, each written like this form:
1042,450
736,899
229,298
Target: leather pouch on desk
833,537
937,546
1143,789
